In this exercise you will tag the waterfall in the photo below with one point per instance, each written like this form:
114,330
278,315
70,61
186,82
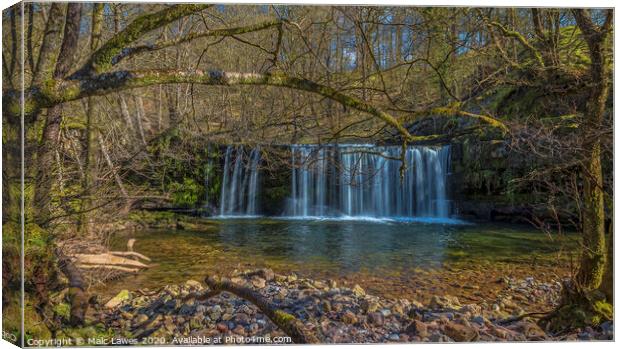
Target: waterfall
240,185
365,180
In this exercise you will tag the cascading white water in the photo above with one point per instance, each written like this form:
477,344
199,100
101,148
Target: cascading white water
364,180
240,186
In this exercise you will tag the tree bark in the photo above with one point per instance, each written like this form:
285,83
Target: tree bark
77,295
593,259
51,130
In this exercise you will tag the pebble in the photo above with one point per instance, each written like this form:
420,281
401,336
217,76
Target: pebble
358,291
375,318
461,333
338,315
417,328
349,318
394,337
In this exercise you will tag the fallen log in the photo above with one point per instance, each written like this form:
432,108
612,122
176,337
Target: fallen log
108,259
130,254
285,321
76,294
113,267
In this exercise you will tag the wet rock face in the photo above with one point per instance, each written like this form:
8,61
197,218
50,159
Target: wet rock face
334,314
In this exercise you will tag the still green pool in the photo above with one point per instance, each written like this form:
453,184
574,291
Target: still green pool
382,255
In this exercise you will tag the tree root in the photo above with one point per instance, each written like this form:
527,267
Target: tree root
578,308
523,316
285,321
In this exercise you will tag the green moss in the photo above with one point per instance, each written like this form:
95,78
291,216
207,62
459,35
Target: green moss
63,310
282,318
185,194
103,59
604,309
93,332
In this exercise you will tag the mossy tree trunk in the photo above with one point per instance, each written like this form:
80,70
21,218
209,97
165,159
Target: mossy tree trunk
584,301
594,257
89,136
57,58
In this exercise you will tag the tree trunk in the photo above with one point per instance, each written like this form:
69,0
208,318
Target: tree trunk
51,130
88,140
593,259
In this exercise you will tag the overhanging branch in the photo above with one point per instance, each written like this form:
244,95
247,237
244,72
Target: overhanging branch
101,60
71,90
129,52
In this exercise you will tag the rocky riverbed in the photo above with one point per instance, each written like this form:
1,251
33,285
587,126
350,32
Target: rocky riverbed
336,314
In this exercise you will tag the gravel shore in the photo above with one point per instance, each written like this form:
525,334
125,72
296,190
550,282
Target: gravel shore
335,314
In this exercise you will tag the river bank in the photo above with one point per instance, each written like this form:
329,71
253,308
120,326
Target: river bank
335,314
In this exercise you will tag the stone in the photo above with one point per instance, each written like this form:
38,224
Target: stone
443,316
472,309
266,274
254,328
417,328
416,305
222,327
398,309
215,316
358,291
258,282
394,337
238,280
498,332
608,328
195,323
140,318
320,285
332,283
529,329
326,306
337,306
169,325
119,299
375,318
242,318
509,304
478,320
369,306
438,337
461,333
186,309
305,285
239,330
193,284
445,302
245,309
349,318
